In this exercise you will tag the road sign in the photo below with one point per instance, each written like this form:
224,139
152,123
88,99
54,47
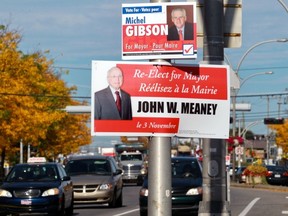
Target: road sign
148,31
239,150
167,100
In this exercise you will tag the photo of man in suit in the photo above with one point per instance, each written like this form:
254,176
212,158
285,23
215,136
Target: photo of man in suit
113,103
181,29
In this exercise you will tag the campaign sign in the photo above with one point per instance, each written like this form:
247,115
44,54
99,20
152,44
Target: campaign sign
159,30
160,100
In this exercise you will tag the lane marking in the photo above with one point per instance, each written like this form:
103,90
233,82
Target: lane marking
127,212
248,208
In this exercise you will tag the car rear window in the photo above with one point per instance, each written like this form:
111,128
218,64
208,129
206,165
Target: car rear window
88,166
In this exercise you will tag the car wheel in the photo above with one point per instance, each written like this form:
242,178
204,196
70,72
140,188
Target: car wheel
119,201
61,212
143,212
69,211
112,203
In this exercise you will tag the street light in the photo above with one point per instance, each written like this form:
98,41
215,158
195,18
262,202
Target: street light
234,95
281,40
283,4
256,74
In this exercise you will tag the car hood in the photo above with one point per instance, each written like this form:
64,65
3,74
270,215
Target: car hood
34,184
90,179
186,182
181,183
126,163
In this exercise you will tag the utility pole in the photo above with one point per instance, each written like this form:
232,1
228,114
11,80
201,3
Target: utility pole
159,178
214,150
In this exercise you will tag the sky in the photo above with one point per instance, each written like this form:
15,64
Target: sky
77,32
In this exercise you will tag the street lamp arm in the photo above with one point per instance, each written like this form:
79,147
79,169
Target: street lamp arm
283,4
243,133
283,40
256,74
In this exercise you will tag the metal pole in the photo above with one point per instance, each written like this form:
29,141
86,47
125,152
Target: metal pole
21,151
214,150
267,136
159,177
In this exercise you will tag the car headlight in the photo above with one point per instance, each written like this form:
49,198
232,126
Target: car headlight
5,193
194,191
143,171
106,187
144,192
51,192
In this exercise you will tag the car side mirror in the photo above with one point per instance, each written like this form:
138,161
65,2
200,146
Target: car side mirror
66,178
118,172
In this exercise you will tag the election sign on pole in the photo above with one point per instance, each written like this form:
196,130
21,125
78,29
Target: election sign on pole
160,100
159,30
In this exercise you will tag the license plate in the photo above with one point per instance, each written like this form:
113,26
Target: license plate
26,202
277,176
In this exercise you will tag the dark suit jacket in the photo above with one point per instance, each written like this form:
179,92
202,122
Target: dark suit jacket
105,106
188,32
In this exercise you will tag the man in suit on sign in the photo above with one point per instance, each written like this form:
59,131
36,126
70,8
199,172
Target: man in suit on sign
181,30
112,103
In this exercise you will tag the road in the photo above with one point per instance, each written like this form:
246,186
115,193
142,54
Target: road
244,202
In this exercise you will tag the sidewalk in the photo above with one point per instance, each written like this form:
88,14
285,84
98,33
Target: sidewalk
261,186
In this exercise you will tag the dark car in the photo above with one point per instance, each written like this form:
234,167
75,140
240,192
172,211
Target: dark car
96,179
277,175
37,187
186,186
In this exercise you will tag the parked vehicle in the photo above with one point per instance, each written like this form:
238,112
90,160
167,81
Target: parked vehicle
186,186
97,179
277,175
37,187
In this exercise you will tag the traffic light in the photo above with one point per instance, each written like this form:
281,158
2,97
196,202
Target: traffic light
273,120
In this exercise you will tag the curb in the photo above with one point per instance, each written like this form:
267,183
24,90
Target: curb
261,186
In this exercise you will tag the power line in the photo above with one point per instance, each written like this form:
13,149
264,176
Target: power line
43,95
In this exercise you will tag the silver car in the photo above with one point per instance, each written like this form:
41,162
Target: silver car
96,179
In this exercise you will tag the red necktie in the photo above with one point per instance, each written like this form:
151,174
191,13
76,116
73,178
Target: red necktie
118,101
180,35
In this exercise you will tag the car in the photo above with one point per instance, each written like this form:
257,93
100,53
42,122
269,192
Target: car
277,175
37,187
132,164
186,189
97,179
239,176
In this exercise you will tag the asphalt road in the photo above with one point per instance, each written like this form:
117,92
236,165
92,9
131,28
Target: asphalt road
246,200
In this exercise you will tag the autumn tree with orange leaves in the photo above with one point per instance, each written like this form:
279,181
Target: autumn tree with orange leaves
281,131
32,99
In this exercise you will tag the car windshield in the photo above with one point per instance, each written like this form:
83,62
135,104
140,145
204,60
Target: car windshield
182,169
39,172
88,166
132,157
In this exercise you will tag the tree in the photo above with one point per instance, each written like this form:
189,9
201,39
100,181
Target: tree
281,137
32,96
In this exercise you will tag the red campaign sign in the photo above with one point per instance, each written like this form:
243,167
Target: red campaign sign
167,30
165,100
180,81
140,125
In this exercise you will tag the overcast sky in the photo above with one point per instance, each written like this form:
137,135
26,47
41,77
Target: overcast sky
77,32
